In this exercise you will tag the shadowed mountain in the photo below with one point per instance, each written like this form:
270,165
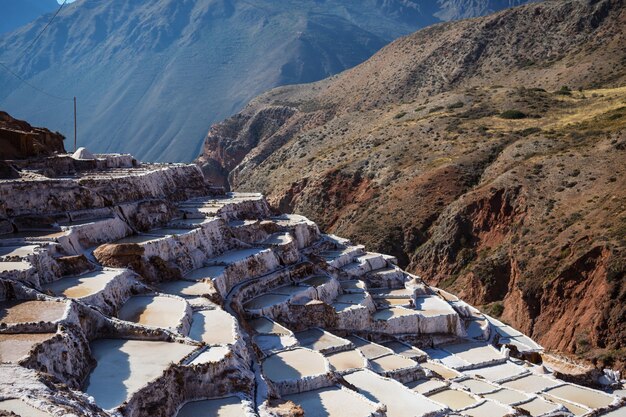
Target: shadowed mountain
150,76
17,13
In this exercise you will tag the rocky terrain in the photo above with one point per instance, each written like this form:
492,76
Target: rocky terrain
140,290
19,140
486,155
151,76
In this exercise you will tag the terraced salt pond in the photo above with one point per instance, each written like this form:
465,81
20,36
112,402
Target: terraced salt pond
445,372
317,280
264,325
14,266
184,288
531,383
212,354
156,311
294,364
125,366
392,312
369,350
205,273
278,239
583,396
506,396
424,386
454,399
84,285
498,372
14,312
265,300
154,234
405,350
390,363
400,401
14,347
222,407
332,402
319,340
17,251
538,407
213,327
478,387
343,361
235,256
577,410
488,408
20,408
429,306
475,353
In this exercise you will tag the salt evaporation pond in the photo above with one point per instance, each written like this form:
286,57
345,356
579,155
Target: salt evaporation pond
445,373
488,408
317,280
454,399
222,407
478,387
332,402
424,386
392,312
294,364
344,361
20,408
213,354
317,339
15,312
583,396
83,285
531,383
391,362
157,311
186,288
14,347
369,350
264,325
125,366
538,407
14,266
573,408
506,396
400,401
214,327
17,251
405,350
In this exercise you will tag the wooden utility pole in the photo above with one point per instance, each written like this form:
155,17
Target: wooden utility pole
74,123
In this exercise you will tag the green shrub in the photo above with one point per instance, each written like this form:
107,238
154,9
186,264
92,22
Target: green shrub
435,109
456,105
400,115
564,91
513,114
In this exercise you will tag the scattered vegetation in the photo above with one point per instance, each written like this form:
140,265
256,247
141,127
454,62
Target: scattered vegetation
513,114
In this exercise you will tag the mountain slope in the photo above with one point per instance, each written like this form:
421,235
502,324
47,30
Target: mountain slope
151,76
468,151
17,13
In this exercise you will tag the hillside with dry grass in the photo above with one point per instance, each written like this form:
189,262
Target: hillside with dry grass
488,155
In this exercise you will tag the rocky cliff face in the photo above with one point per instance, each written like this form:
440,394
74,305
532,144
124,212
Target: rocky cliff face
485,157
19,140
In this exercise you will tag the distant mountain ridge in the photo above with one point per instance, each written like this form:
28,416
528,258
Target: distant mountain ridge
151,76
